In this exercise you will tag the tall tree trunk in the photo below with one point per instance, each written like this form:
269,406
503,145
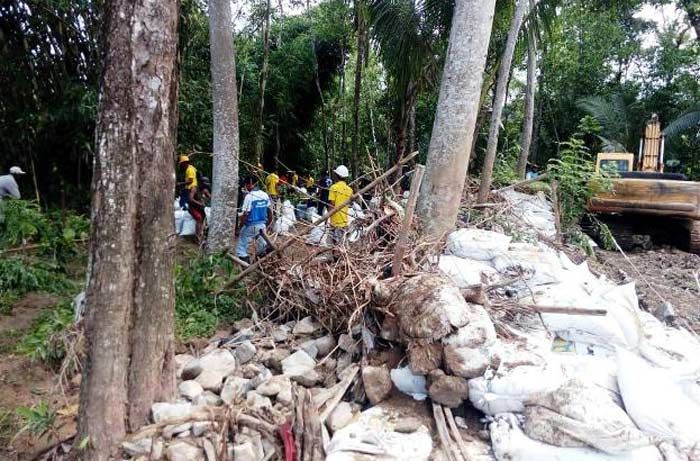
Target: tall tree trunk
130,294
412,143
222,225
529,109
359,63
259,125
457,108
501,89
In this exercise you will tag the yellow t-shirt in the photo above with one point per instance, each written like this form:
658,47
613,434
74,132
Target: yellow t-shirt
271,184
190,177
339,193
309,183
295,180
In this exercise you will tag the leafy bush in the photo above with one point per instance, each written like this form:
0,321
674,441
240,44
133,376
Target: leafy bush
38,420
504,170
198,309
577,181
21,222
57,233
19,277
42,341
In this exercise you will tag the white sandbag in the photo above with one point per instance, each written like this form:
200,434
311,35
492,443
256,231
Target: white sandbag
319,235
466,272
511,444
533,210
673,348
579,414
188,225
372,437
620,327
478,244
286,220
537,264
655,402
509,392
408,383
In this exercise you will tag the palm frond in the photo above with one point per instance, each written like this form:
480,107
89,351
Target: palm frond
612,114
688,119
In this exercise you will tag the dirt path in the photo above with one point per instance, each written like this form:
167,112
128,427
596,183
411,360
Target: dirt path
26,383
667,274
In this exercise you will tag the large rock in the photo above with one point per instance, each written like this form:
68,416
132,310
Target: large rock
180,361
183,451
211,380
144,447
274,386
207,399
377,383
297,364
309,379
325,344
310,348
428,307
466,362
340,417
274,357
448,390
477,332
190,389
235,388
347,344
255,400
163,410
244,353
306,326
280,334
218,360
424,358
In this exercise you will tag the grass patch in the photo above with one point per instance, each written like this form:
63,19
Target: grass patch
41,342
198,309
19,276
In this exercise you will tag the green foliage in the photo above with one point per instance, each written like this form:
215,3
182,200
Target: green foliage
21,222
198,308
42,341
38,420
20,276
56,234
7,426
577,181
504,169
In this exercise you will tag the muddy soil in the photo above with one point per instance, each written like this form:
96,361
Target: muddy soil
24,383
661,275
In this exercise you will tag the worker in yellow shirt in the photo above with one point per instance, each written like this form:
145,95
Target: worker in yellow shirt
309,182
295,178
195,204
271,183
338,194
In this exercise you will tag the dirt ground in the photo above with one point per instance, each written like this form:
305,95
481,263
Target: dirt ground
661,275
26,383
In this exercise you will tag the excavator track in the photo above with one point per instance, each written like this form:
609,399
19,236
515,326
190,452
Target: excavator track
694,236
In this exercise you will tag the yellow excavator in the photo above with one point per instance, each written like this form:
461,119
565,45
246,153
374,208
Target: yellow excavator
645,203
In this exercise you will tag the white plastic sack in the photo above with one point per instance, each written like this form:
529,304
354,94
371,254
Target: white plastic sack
673,348
478,244
511,444
533,210
286,220
509,392
579,414
371,437
319,235
408,383
466,272
538,264
655,402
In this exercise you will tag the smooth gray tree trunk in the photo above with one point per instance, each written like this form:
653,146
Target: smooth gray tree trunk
500,99
529,109
262,85
222,225
455,118
129,322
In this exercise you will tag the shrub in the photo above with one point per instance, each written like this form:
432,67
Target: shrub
198,308
42,342
19,277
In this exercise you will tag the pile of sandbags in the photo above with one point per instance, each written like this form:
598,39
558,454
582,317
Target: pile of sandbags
627,389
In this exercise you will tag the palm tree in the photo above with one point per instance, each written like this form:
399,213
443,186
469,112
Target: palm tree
613,115
688,119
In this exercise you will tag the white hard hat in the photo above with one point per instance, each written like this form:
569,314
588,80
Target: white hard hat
342,171
16,170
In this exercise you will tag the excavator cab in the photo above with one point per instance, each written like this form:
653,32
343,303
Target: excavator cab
644,196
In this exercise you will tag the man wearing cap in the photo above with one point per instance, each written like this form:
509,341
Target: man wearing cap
195,205
255,217
338,194
8,184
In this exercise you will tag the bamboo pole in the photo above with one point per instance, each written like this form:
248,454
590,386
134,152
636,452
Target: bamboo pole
407,219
